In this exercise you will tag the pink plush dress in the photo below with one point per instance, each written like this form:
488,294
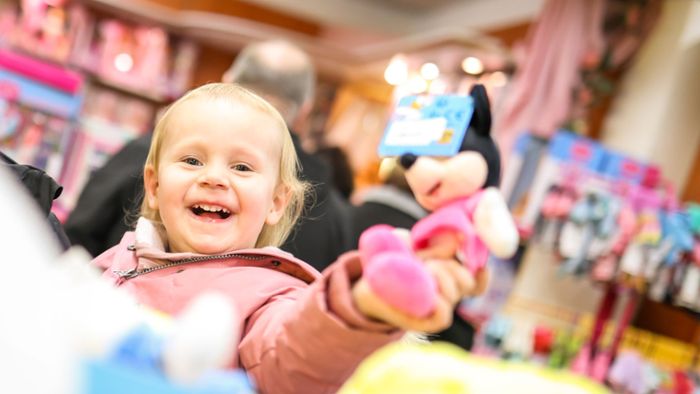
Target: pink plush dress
456,216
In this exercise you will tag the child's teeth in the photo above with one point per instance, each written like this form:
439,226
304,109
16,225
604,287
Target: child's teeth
211,208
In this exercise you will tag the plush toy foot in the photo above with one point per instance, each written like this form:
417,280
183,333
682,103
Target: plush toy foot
394,273
403,282
379,239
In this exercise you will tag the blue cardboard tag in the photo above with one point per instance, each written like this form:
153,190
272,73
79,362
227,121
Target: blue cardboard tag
427,125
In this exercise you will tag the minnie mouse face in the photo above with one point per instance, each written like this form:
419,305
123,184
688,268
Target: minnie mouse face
437,181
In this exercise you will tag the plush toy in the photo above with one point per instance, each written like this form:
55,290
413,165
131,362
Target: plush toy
66,330
469,219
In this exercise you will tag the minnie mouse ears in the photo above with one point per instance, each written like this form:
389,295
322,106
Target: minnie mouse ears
481,119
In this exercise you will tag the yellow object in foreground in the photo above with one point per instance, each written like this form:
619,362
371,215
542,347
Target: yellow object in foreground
441,368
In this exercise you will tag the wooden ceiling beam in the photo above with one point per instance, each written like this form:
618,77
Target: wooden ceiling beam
245,10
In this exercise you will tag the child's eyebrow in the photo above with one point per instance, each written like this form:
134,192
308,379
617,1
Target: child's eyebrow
238,151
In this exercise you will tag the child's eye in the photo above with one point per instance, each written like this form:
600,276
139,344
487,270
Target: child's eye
242,167
192,161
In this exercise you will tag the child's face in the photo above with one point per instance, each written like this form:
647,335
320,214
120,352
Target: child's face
216,183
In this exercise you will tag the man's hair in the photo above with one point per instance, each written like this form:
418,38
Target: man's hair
288,168
278,69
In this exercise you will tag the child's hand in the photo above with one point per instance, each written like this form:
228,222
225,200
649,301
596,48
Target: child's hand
454,282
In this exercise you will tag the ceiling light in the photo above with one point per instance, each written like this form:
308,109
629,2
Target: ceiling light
438,86
429,71
396,72
472,65
123,62
417,84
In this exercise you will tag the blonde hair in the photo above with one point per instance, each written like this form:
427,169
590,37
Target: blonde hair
289,163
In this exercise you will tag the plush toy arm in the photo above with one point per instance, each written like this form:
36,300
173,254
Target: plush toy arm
494,224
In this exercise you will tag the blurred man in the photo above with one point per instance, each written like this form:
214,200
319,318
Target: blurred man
282,74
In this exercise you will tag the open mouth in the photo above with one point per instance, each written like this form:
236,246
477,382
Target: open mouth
210,211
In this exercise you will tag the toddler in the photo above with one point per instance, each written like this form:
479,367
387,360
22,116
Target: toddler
221,192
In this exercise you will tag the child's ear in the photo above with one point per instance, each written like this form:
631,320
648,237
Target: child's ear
150,185
280,200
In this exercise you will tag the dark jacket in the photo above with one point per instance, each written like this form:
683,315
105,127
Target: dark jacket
323,232
110,198
385,205
43,189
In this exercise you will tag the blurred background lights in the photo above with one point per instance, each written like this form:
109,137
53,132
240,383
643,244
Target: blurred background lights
417,84
438,86
472,65
123,62
396,72
429,71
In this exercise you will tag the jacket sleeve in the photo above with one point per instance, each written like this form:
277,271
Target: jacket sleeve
311,339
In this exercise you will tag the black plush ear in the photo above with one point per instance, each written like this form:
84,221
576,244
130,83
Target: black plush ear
481,119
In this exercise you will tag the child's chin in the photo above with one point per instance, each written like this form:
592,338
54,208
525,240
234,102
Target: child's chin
212,249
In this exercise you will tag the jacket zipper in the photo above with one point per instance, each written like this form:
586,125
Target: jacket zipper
132,273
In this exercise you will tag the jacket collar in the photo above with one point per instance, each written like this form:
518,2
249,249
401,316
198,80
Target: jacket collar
149,249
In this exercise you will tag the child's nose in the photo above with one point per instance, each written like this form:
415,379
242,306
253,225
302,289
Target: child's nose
214,177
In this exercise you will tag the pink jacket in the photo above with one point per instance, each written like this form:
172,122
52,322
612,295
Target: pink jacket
301,331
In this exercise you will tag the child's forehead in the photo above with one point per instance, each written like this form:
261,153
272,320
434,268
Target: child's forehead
220,116
220,106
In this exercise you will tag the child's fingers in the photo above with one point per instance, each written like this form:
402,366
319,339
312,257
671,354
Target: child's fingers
463,279
447,285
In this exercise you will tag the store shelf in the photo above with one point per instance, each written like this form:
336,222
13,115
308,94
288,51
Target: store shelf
153,98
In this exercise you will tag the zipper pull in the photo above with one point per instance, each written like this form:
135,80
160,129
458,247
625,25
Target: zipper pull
124,275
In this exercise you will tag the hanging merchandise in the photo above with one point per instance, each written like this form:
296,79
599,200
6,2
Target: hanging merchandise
617,222
556,207
609,218
570,160
584,235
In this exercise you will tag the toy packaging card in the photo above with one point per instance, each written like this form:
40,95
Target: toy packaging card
571,148
427,125
620,167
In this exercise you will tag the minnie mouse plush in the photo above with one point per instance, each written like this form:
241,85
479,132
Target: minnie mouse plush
469,219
